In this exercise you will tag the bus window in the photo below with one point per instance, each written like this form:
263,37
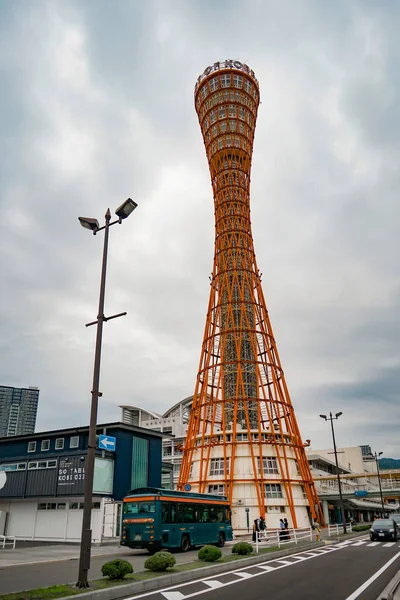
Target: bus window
139,507
185,512
165,512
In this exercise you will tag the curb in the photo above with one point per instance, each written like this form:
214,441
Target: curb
122,591
391,589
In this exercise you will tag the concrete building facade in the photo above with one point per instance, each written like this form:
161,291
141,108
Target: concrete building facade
42,479
18,410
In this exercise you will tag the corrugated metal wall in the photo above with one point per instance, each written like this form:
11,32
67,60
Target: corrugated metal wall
140,463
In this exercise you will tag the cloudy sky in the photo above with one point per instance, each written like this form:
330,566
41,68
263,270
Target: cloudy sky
96,105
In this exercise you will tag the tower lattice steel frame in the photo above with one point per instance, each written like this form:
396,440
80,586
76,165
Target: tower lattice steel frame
241,396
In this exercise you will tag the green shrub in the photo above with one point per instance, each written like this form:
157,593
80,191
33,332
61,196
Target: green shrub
209,553
242,548
160,561
116,569
361,527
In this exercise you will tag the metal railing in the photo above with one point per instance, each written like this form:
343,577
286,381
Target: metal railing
7,540
337,528
280,537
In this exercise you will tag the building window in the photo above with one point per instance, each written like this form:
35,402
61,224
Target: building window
218,490
52,506
59,444
13,467
269,465
45,445
31,446
42,465
273,490
237,81
76,506
74,441
51,464
275,509
225,81
32,465
303,492
217,466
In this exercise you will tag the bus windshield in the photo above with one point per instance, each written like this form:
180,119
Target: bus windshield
135,508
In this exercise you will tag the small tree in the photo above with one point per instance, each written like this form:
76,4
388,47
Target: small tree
209,553
116,569
160,561
242,548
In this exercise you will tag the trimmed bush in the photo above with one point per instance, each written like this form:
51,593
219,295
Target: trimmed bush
242,548
160,561
361,527
116,569
209,553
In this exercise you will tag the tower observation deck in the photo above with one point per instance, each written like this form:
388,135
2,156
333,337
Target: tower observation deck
243,439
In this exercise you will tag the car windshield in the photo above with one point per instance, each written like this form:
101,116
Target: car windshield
383,523
396,518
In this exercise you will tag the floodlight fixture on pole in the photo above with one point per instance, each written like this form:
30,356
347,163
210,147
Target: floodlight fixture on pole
126,209
88,223
332,418
86,536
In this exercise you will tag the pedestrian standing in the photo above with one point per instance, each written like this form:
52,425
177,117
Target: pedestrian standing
317,530
256,529
263,527
287,535
282,529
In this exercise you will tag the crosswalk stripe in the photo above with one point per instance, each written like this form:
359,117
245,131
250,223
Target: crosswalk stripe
213,584
266,568
243,574
373,544
360,543
389,544
172,595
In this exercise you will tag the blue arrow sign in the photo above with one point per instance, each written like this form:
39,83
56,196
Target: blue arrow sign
107,442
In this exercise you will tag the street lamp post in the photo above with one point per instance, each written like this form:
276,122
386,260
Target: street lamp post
376,455
86,538
332,418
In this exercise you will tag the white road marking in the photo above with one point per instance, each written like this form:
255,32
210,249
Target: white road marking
172,595
360,543
374,544
389,545
375,576
243,575
285,562
213,584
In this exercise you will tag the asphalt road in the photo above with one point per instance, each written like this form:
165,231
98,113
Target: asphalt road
347,572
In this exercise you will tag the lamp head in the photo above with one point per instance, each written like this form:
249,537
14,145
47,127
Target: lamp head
88,223
323,417
380,453
339,414
126,209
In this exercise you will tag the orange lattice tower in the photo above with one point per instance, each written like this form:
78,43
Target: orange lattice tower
243,439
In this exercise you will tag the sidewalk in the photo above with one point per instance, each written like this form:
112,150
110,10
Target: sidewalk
26,555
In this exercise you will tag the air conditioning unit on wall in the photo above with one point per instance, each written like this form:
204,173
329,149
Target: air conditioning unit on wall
239,502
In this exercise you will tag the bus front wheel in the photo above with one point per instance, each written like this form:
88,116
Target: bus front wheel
221,540
185,543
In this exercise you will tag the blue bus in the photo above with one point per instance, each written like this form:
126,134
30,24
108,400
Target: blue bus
155,518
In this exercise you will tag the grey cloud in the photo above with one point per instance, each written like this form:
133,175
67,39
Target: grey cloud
98,106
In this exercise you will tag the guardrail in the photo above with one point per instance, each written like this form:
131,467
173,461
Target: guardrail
337,528
7,540
280,537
